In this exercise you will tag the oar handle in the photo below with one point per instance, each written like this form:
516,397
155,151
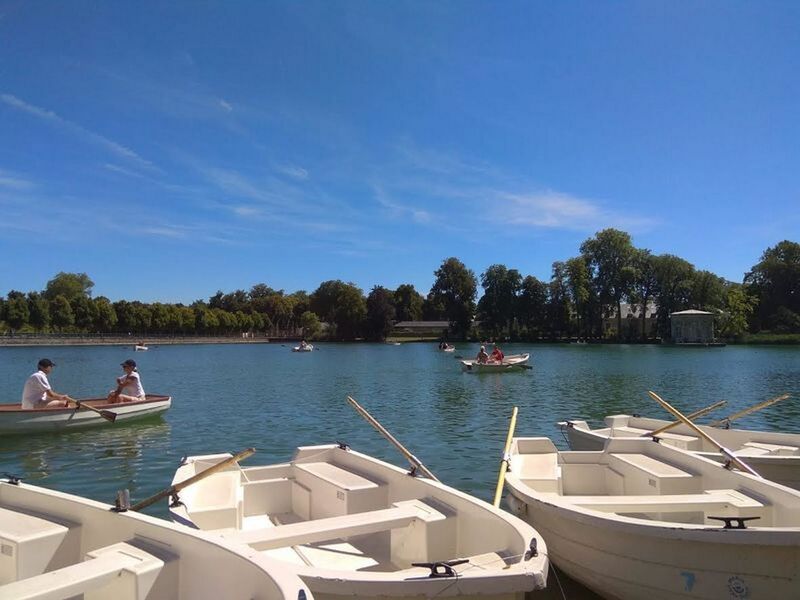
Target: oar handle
498,492
106,414
385,433
738,462
747,411
173,489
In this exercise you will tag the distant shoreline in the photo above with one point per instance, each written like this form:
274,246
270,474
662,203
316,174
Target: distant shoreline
22,341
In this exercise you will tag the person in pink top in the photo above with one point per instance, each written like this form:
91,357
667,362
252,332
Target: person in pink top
497,354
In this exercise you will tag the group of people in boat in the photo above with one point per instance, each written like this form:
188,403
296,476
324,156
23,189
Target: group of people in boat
38,393
496,356
444,345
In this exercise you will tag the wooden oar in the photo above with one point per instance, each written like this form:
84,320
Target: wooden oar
696,414
504,461
727,420
106,414
415,462
723,450
174,489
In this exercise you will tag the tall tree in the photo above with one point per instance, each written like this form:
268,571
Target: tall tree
61,313
69,285
610,253
39,311
532,306
739,307
673,288
17,311
558,302
708,291
456,287
341,305
408,303
105,315
380,313
309,321
496,307
579,286
775,281
644,284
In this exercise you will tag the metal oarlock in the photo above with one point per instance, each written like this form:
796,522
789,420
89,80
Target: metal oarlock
123,501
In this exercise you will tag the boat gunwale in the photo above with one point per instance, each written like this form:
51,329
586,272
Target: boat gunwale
100,403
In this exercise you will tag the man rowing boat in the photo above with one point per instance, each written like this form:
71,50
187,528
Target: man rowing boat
37,392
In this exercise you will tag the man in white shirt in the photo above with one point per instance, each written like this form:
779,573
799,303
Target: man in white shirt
37,392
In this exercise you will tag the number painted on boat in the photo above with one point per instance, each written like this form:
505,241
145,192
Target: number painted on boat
689,577
738,588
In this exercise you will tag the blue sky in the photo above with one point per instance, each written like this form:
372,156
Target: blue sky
173,149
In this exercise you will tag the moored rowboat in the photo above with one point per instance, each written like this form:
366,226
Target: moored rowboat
57,545
773,455
354,526
512,362
646,521
15,419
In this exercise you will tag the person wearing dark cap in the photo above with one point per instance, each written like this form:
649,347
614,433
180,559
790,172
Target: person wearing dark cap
129,385
37,392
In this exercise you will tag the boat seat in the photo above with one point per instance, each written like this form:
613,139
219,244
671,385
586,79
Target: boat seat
331,528
643,474
709,501
323,490
119,571
679,440
216,501
770,449
28,544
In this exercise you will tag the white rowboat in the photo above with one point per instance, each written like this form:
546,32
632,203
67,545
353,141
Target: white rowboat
646,521
773,455
58,546
138,348
15,419
354,526
512,362
306,348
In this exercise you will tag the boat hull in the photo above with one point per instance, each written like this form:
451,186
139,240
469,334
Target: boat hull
516,362
639,521
15,420
57,545
335,487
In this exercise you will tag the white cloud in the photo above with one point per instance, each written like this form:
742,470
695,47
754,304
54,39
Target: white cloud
225,105
74,128
294,172
13,181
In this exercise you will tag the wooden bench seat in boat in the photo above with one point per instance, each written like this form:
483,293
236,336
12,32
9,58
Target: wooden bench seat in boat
322,489
765,449
400,515
28,545
685,442
119,571
720,502
635,473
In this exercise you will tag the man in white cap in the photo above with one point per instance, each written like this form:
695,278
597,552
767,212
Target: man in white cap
482,357
37,392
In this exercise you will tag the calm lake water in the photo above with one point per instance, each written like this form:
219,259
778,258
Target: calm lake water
229,397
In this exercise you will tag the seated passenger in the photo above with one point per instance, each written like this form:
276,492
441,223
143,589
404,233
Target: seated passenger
129,386
482,357
497,354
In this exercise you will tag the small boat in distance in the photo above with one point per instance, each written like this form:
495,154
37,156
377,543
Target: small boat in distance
63,546
140,347
774,455
512,362
15,419
646,521
352,526
303,348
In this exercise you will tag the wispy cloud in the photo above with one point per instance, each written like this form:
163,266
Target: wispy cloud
294,172
226,106
399,210
78,130
14,181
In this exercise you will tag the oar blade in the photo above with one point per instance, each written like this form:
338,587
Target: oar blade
108,415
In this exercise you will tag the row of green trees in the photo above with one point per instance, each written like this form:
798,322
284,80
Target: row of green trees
581,296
